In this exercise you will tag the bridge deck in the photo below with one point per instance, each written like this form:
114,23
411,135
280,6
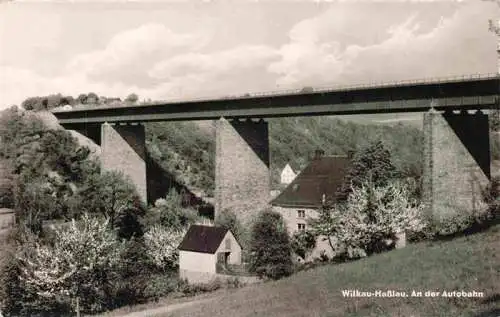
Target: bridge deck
473,92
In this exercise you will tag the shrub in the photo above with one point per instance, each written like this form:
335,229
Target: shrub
491,196
133,275
160,285
77,265
270,250
303,242
11,293
194,289
234,283
484,213
161,246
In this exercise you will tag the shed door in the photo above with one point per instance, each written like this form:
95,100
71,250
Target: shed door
222,257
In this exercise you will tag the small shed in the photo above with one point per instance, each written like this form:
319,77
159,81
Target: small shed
203,249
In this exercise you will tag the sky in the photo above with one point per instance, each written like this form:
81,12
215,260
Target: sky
185,49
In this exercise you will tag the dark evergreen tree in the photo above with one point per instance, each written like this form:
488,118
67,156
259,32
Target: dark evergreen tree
270,249
372,163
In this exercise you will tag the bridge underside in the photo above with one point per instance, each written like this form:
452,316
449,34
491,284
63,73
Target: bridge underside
456,162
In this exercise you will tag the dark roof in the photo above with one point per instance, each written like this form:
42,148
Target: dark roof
204,239
322,176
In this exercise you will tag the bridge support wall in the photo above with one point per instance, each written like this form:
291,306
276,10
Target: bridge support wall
456,164
124,149
242,177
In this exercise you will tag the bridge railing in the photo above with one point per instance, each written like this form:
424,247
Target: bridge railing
435,80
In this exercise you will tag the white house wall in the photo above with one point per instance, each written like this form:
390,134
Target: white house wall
197,262
292,220
235,255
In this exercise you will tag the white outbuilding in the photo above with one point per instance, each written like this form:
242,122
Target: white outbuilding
205,250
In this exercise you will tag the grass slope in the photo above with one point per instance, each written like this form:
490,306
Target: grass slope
466,263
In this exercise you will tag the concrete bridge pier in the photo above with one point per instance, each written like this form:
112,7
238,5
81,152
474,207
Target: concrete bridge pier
242,176
123,149
456,163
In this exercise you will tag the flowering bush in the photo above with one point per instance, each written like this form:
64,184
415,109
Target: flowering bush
161,246
370,214
76,264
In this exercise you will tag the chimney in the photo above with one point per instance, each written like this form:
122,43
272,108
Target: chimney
350,154
318,154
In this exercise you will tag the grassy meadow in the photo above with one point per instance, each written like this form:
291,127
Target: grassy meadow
465,263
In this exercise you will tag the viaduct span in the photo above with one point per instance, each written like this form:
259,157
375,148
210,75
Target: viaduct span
456,135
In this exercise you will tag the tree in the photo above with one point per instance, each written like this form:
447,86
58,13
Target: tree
34,202
92,98
111,195
82,98
6,184
32,103
132,98
49,166
373,163
161,246
46,102
270,250
371,215
75,265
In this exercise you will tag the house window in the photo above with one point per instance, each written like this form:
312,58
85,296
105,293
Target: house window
302,226
228,243
301,213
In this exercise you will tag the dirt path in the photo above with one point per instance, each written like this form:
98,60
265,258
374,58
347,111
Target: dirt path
165,309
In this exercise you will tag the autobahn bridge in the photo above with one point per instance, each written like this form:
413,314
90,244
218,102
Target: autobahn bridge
456,142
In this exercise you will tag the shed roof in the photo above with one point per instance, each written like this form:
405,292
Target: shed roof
323,175
204,239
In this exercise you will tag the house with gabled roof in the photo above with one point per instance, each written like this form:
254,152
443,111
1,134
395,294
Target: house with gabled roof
204,249
304,196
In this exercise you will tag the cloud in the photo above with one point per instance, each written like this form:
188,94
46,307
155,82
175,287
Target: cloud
404,50
332,48
228,71
151,61
17,84
220,62
134,46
